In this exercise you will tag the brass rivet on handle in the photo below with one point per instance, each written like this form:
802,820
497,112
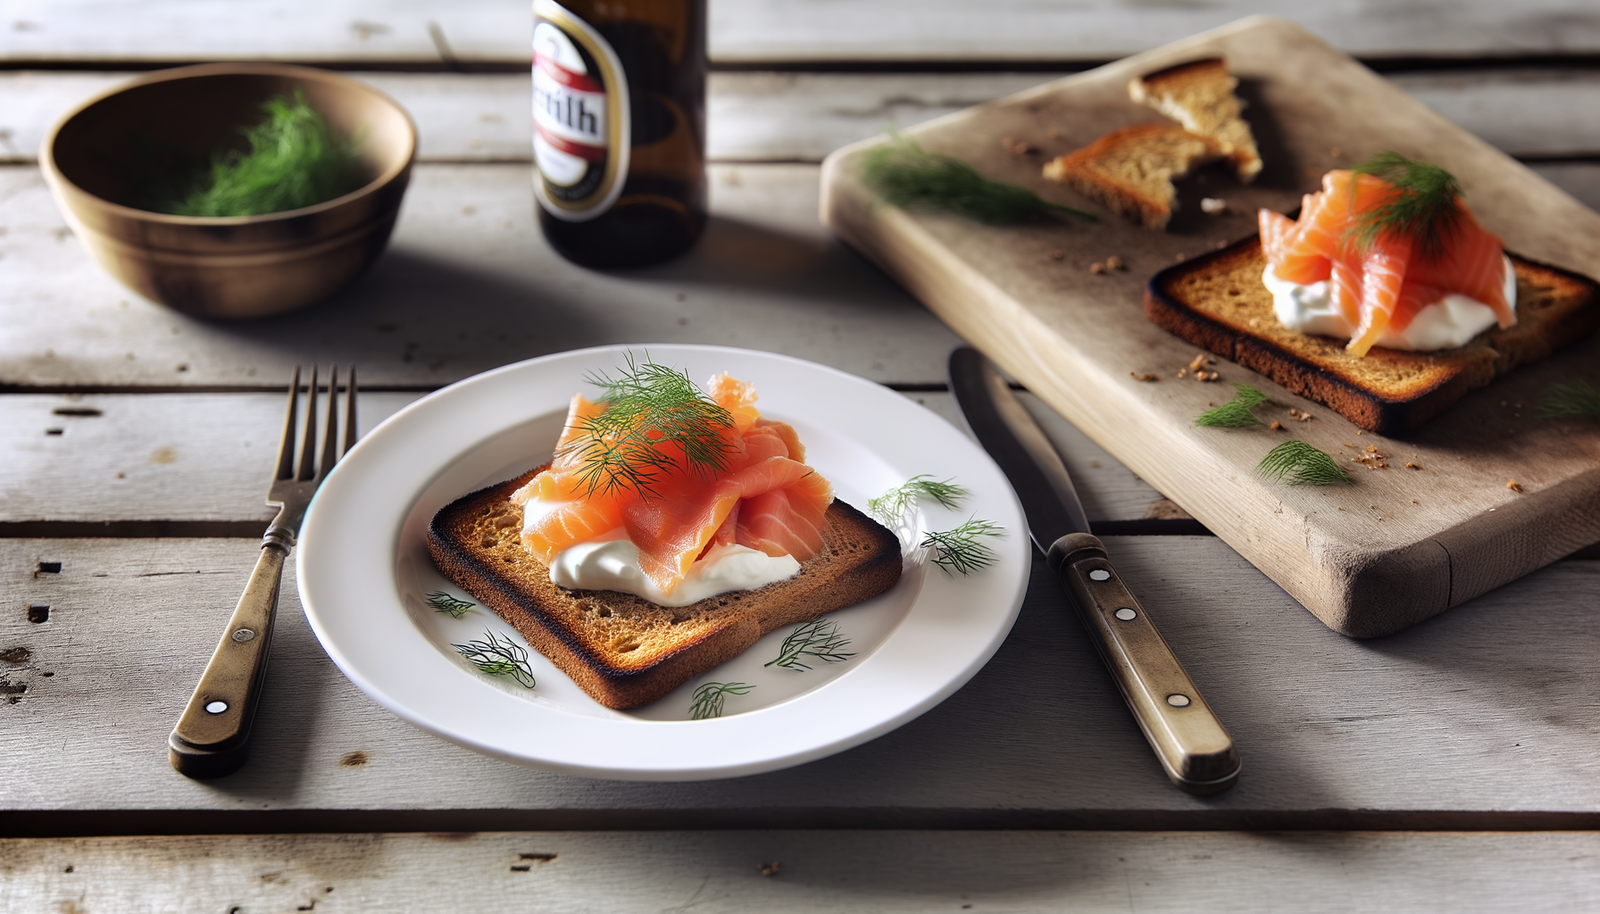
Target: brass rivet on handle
1178,700
1126,614
243,635
1099,574
216,707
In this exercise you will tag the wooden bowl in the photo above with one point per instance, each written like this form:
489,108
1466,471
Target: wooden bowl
110,154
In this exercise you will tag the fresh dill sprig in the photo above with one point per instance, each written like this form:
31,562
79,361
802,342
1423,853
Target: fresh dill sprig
296,159
1296,463
819,638
454,607
1576,399
1426,209
895,502
498,656
707,700
1236,412
961,549
651,411
908,175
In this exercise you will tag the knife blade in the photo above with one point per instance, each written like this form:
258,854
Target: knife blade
1191,743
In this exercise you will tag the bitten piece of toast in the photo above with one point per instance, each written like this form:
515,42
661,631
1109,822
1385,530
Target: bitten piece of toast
1219,303
1131,170
624,650
1199,95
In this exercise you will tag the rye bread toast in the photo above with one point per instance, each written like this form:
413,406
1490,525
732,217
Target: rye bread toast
1218,302
1200,96
1131,170
624,650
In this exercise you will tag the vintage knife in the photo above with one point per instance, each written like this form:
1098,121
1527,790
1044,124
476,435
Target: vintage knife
1191,743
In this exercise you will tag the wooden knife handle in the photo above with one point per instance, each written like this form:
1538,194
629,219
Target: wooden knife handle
213,735
1191,743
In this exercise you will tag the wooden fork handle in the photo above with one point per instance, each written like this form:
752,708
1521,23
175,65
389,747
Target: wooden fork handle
213,736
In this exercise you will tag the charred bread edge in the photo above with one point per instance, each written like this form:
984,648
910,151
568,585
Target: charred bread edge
1180,68
1367,409
628,688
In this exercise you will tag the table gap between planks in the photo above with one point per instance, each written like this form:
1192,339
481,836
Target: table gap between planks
1484,718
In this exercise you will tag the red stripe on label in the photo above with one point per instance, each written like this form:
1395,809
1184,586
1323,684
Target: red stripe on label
562,75
561,144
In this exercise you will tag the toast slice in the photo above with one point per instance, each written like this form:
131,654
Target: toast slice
1219,303
1199,95
624,650
1131,170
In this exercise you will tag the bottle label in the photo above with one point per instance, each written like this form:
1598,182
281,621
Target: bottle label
581,128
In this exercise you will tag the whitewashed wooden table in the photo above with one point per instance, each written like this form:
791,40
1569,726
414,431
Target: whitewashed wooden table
1454,766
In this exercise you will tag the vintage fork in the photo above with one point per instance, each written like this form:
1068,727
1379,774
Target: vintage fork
212,737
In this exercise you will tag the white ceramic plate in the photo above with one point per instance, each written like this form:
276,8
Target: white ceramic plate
365,575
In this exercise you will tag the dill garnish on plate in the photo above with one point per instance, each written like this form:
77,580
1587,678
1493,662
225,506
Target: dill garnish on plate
652,414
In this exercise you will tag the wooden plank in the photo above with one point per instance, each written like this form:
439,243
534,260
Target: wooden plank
1390,550
804,116
1485,717
65,454
418,33
821,872
469,284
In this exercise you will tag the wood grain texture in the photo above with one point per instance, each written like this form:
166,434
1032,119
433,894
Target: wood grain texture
755,116
175,462
1485,717
1396,547
819,872
419,33
469,284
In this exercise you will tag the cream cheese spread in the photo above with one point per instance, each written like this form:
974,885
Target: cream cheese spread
611,562
1447,323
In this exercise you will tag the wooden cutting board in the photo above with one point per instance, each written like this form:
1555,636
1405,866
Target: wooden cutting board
1397,545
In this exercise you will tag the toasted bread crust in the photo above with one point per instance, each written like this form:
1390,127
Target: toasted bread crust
1131,170
1200,96
1218,302
624,650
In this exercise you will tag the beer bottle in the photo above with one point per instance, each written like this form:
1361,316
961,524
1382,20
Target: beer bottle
619,128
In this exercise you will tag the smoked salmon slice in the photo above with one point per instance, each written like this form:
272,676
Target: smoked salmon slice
765,497
1382,282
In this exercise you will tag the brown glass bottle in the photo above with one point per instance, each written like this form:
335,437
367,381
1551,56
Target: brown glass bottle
619,90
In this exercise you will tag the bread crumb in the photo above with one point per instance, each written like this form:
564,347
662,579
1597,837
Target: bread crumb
1513,485
1358,431
1201,361
1183,372
1301,415
1097,268
770,868
1372,449
1146,376
120,475
1206,376
1213,206
1114,263
1413,501
1094,463
1277,426
1340,507
1349,444
1181,258
1413,466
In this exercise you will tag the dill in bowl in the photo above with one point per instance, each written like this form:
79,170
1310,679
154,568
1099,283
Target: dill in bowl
296,159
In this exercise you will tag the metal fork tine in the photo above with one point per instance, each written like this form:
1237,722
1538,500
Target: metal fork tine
330,435
286,448
350,431
308,452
